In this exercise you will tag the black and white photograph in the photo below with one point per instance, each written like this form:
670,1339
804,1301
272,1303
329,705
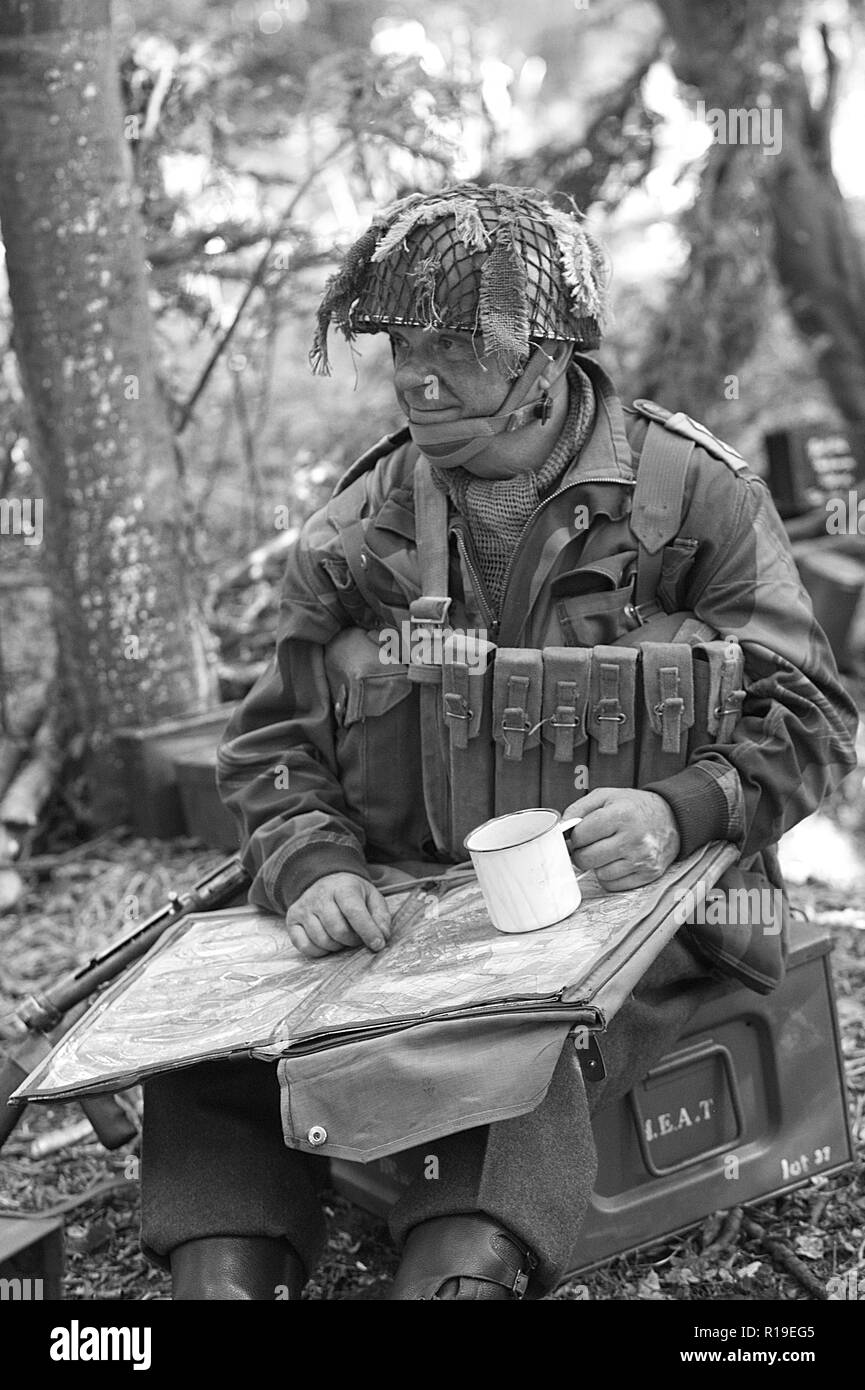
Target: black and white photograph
432,669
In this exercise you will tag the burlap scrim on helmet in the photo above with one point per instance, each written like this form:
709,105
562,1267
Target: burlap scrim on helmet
501,262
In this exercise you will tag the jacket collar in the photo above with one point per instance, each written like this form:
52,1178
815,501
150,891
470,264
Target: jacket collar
606,454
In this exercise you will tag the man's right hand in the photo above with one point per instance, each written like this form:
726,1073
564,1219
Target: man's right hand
337,911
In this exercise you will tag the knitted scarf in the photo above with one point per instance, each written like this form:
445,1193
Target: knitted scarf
497,509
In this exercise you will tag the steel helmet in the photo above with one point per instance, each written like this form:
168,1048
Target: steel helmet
498,261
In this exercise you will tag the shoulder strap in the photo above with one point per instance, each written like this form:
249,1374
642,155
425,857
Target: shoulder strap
679,423
430,613
431,535
656,510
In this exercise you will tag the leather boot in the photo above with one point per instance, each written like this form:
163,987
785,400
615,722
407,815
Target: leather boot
462,1258
257,1268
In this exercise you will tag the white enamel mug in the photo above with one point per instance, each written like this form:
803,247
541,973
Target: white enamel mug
524,869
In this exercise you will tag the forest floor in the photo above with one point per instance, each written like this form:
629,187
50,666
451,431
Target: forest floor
800,1241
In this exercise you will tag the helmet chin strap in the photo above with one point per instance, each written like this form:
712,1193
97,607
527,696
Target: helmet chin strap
450,443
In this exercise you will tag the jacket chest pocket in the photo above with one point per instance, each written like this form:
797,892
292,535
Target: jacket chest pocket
591,603
377,737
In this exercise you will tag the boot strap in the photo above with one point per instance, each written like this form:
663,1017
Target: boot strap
470,1247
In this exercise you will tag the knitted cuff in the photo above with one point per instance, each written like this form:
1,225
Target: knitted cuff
698,805
299,871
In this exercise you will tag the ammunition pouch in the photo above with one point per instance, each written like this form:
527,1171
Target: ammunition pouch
376,719
516,728
512,727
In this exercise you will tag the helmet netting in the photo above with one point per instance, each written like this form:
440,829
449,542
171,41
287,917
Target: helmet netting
496,261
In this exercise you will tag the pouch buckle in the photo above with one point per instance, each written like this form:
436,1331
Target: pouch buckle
618,717
431,610
515,726
456,706
638,614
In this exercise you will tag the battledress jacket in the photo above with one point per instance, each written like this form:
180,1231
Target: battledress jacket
324,780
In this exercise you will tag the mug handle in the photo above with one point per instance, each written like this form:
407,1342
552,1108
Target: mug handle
565,825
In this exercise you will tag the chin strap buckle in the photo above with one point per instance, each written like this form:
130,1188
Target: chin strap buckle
544,410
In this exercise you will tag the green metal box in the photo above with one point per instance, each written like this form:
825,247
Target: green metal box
749,1104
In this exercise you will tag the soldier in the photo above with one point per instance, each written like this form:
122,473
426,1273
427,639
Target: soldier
523,506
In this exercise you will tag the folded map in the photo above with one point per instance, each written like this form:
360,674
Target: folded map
229,982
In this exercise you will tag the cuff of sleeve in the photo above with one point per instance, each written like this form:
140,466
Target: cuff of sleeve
698,805
296,873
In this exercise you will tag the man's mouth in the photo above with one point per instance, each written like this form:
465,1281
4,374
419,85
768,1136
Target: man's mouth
417,411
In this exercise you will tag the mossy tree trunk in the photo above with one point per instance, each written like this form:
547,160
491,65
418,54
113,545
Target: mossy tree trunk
132,642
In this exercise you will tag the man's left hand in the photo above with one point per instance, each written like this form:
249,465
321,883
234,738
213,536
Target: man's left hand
627,837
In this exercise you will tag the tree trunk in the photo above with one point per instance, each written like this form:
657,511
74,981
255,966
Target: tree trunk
133,646
818,256
734,52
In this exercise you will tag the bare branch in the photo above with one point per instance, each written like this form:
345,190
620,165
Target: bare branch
254,281
171,250
823,117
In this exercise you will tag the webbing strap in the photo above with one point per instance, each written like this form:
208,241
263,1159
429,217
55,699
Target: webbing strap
431,532
731,695
431,610
656,511
611,719
668,689
608,710
567,675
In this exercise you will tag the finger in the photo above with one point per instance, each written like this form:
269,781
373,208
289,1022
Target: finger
619,876
318,934
598,824
378,909
335,925
300,941
594,800
353,905
599,855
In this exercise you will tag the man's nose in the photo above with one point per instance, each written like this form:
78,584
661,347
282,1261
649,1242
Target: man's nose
411,367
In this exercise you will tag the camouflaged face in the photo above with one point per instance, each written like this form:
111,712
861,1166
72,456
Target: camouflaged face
500,262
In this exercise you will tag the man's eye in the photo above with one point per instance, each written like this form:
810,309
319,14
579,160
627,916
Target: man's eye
447,344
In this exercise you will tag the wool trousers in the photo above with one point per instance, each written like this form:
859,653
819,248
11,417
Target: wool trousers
214,1161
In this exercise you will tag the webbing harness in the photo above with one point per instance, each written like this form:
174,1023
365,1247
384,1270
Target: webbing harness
591,693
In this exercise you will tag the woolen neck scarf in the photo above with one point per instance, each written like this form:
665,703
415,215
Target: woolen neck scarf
497,509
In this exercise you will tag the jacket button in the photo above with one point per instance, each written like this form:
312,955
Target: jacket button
317,1136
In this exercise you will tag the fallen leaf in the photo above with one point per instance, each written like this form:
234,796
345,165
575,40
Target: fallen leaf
650,1286
683,1275
810,1246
